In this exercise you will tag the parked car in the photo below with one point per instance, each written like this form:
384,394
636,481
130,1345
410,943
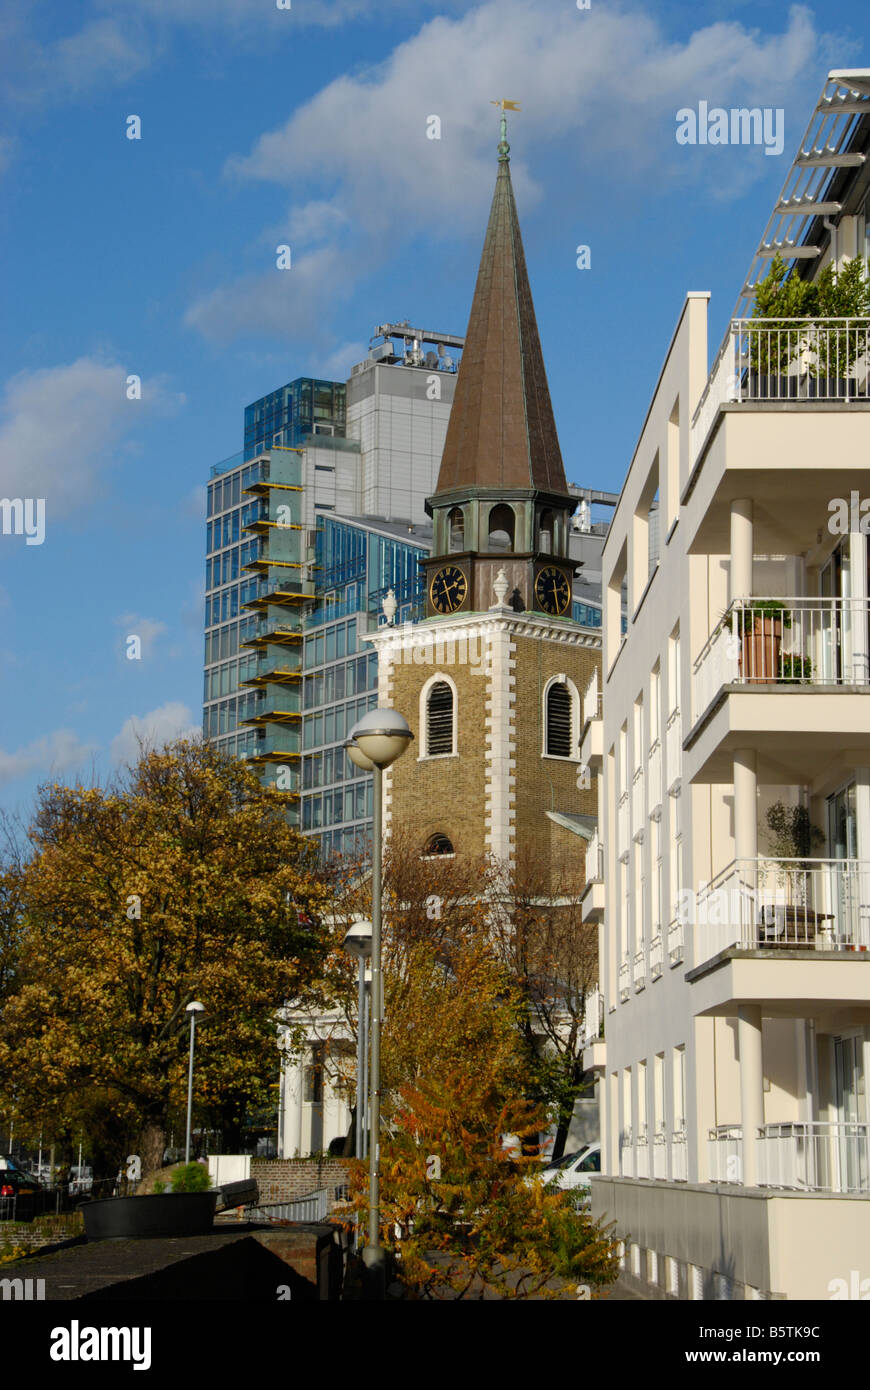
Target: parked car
14,1182
570,1173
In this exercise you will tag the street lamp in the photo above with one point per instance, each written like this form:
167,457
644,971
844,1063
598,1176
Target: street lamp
358,943
193,1008
376,741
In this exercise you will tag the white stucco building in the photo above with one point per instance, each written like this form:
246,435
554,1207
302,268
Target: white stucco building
736,975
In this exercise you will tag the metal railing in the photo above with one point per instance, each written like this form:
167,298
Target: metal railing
638,807
794,904
816,1156
638,973
312,1207
654,776
656,957
593,1018
674,748
679,1155
676,944
660,1154
641,1154
624,980
626,1154
784,641
623,824
594,860
592,700
725,1153
782,359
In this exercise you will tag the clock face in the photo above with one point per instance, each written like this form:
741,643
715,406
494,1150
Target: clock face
448,589
552,590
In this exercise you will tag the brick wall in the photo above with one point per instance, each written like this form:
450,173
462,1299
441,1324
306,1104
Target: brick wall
283,1179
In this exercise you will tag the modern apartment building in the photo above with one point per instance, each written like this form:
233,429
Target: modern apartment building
733,750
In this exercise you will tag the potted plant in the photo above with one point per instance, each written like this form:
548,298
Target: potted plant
774,346
836,349
188,1210
760,623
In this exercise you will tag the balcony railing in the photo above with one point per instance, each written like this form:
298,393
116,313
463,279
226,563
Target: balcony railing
786,642
798,1156
679,1155
641,1154
626,1154
822,1156
638,973
624,980
654,776
638,807
594,860
674,748
725,1153
660,1154
785,904
676,946
593,1018
592,700
623,825
785,360
656,957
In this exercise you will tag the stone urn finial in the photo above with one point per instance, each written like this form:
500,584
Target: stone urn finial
500,588
389,606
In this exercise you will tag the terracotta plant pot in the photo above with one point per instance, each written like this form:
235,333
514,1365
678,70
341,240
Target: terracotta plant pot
760,652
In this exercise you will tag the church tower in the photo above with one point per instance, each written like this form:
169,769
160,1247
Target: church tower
492,680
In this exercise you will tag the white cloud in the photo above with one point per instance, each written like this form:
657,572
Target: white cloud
57,425
162,725
608,80
146,629
51,754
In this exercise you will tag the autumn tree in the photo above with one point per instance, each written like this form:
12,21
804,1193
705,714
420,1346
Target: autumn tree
180,881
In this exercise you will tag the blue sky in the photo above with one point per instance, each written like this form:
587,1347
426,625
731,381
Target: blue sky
307,126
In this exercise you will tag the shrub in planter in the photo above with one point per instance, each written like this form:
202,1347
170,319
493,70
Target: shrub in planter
191,1177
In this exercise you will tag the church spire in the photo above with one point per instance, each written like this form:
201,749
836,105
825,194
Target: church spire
502,433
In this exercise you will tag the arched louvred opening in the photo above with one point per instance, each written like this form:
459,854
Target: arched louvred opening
439,719
545,532
438,844
501,528
559,721
456,530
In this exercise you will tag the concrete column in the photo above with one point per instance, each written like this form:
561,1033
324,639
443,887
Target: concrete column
741,548
858,588
745,803
751,1086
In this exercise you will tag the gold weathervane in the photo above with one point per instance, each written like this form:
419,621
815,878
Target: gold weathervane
504,106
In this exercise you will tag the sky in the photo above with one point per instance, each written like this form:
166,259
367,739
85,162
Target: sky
307,123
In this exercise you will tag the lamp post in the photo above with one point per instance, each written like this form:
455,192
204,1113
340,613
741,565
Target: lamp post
193,1008
358,943
376,741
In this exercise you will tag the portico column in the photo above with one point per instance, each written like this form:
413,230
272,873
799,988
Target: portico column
745,804
751,1086
741,548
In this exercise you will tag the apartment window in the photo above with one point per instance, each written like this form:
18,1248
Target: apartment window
437,845
559,719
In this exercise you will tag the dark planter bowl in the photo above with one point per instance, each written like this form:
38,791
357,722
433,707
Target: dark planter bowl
162,1214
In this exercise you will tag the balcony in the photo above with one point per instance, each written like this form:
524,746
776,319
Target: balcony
679,1155
654,776
623,826
660,1154
674,748
638,805
592,740
595,860
656,957
270,630
797,1156
784,361
676,947
626,1154
641,1155
625,981
638,974
593,1018
811,905
788,643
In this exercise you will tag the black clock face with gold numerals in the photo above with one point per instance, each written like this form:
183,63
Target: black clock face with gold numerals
447,589
552,590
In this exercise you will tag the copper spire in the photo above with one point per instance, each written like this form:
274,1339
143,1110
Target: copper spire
502,433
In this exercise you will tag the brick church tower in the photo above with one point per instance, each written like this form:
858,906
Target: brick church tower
492,680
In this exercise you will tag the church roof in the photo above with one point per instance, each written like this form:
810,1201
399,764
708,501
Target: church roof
502,433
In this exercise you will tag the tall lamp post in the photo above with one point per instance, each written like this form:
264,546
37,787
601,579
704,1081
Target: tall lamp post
376,741
193,1008
358,943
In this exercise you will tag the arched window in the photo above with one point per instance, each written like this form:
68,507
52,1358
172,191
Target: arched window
456,530
560,721
439,719
545,532
438,844
501,528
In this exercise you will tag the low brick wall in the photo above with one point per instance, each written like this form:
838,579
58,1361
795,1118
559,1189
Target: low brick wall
283,1179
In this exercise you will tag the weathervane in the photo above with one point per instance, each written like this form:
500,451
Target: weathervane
503,146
